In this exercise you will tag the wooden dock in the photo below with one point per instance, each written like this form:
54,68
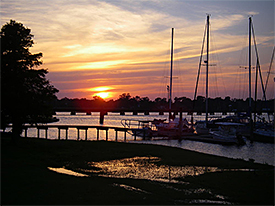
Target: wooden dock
79,128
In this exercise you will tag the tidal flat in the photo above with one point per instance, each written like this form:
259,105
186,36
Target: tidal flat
120,173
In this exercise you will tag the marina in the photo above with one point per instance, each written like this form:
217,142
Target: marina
77,129
141,103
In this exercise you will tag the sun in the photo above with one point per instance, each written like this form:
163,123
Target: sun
103,95
104,92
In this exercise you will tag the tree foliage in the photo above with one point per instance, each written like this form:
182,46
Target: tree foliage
185,104
26,92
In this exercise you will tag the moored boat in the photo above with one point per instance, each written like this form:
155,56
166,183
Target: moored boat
140,128
227,134
263,135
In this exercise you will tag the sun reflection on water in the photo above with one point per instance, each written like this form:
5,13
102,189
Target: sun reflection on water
67,172
146,168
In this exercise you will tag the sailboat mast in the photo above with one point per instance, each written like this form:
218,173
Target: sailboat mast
249,65
207,63
270,66
171,71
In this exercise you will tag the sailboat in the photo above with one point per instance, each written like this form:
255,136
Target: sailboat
263,131
202,127
175,127
214,131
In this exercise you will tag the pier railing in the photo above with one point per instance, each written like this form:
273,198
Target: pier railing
79,128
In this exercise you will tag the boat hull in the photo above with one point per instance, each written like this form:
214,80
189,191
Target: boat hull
263,136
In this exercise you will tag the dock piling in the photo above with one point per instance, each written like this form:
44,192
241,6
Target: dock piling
101,117
97,134
80,127
46,133
26,131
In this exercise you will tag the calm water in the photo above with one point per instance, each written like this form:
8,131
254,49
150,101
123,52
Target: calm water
260,152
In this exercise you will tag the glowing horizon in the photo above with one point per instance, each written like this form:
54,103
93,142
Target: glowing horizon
125,47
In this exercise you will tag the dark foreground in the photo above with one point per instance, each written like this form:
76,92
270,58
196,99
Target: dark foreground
25,178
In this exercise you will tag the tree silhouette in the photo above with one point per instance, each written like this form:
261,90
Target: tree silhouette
26,92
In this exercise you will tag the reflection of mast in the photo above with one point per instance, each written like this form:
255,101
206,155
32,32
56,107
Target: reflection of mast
171,72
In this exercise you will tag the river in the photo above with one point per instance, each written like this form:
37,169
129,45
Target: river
260,152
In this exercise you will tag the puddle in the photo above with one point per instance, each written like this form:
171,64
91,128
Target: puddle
219,202
142,168
148,169
145,168
67,172
130,188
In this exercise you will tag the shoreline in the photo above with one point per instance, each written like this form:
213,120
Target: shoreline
25,165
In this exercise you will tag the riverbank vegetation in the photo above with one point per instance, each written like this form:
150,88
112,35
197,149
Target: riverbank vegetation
26,178
26,93
127,102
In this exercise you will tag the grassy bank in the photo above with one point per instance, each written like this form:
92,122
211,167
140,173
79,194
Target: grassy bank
26,179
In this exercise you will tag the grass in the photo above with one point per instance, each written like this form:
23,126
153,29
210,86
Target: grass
25,178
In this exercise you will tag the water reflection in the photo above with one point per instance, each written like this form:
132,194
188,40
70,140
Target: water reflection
67,172
261,152
130,188
146,168
202,201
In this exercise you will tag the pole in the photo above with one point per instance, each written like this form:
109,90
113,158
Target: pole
171,71
249,67
270,66
207,63
101,117
198,76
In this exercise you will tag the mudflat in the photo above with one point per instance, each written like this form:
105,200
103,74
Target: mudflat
26,177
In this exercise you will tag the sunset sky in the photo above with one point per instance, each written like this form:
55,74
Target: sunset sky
106,48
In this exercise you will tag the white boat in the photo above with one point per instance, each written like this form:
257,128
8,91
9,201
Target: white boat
228,131
226,134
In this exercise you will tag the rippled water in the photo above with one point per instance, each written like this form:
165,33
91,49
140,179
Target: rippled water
67,172
260,152
141,168
147,168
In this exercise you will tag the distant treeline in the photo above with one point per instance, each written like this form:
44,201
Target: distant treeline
126,102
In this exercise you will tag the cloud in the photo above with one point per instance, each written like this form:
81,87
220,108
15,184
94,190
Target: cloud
127,43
